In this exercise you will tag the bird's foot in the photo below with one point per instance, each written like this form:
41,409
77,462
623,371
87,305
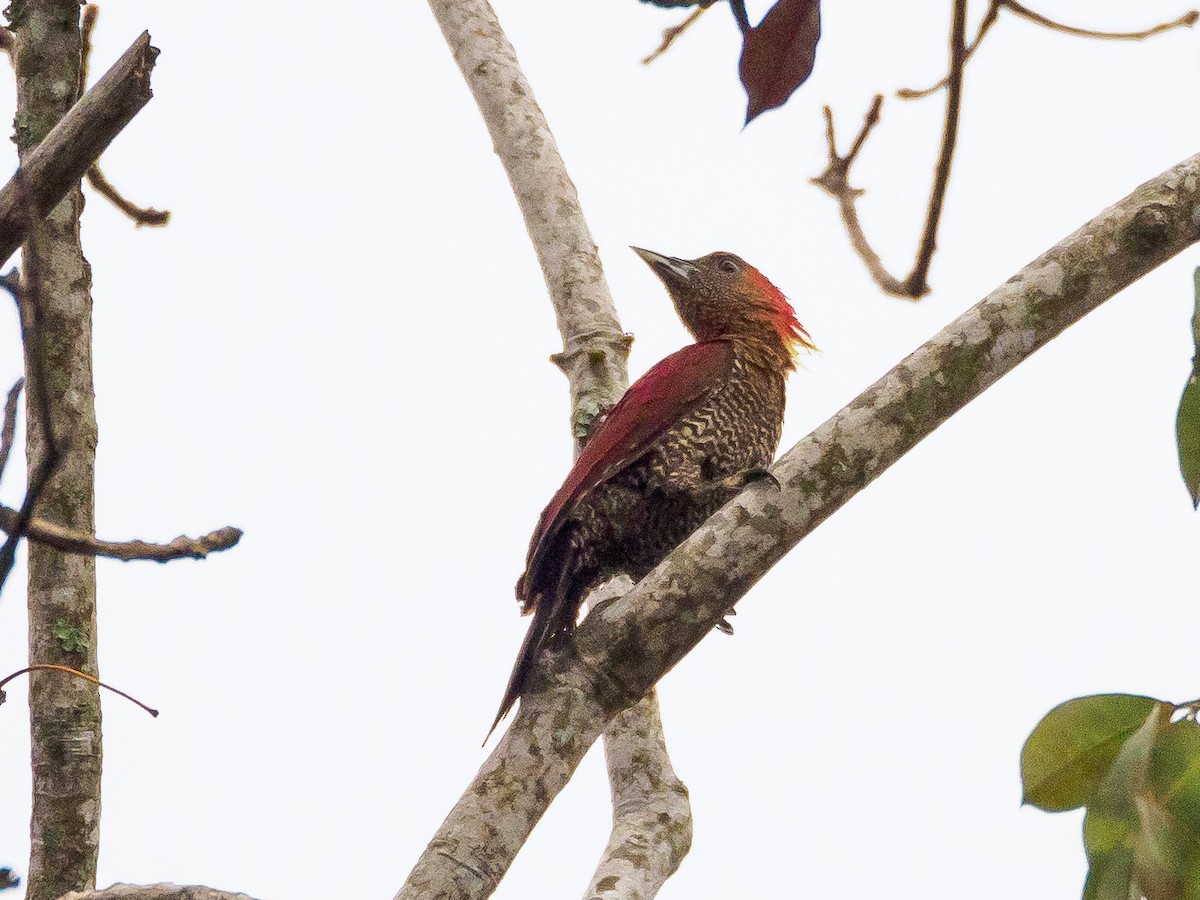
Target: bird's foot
739,480
725,626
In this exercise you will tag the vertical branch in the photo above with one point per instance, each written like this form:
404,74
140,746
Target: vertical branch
593,358
916,281
56,325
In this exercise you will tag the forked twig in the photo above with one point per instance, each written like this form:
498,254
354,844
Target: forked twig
1187,20
670,35
835,179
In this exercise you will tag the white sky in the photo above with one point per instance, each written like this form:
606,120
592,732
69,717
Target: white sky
340,346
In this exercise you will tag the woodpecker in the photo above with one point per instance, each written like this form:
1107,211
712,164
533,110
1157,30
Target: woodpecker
685,437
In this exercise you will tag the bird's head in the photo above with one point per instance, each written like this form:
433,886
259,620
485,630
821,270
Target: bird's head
723,296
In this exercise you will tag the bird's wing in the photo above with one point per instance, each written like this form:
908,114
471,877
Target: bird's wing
652,405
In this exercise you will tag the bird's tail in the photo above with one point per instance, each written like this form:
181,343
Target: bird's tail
553,617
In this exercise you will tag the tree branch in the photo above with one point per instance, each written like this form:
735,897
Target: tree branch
835,179
1187,20
74,144
163,891
69,540
64,714
624,646
594,356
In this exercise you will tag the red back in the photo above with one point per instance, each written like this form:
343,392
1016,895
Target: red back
653,404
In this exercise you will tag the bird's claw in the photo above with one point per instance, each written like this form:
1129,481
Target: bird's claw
746,477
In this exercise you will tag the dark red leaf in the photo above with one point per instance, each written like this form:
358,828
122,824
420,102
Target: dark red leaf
777,56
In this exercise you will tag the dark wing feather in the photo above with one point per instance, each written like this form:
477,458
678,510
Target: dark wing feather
652,405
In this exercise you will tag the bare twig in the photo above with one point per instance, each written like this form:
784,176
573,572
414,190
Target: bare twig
60,160
835,179
48,667
141,215
917,284
70,541
9,431
25,293
19,523
1187,20
87,26
670,35
623,647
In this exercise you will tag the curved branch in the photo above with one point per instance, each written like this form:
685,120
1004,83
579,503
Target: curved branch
624,646
70,541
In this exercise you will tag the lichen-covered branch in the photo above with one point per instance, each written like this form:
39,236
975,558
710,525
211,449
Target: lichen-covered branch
594,347
652,807
69,540
625,645
56,153
57,331
162,891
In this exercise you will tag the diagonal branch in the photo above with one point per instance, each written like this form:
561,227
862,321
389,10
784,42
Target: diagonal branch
60,160
650,806
623,647
141,215
9,429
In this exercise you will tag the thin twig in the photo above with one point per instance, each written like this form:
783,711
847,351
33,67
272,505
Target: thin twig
985,25
835,181
9,431
916,284
70,541
87,25
141,215
1187,20
51,667
670,35
26,292
41,476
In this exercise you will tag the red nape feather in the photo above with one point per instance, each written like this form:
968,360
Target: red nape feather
782,316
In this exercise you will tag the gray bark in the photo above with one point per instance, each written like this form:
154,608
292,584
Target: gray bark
57,330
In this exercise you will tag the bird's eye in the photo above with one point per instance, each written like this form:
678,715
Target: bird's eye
727,265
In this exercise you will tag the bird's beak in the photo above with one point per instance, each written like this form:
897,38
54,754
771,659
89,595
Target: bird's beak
668,268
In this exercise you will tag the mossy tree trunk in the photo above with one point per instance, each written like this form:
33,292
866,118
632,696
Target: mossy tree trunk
56,321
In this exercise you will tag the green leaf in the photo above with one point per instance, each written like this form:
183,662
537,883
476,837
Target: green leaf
1169,810
1187,422
1071,750
1112,829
